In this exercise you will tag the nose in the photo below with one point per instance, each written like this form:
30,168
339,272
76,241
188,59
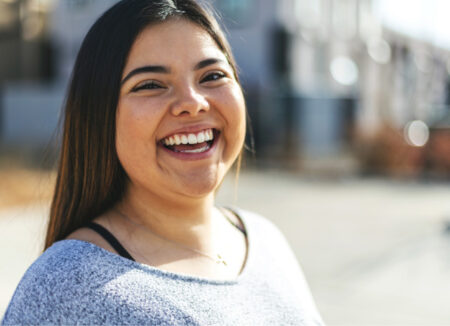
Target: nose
189,102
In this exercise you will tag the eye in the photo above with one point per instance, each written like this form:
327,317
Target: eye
213,76
151,84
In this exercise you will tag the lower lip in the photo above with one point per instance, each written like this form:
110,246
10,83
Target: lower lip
193,156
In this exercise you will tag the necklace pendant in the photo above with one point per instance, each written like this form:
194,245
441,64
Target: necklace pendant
220,260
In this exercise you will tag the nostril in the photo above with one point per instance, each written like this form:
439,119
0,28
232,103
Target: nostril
189,112
184,113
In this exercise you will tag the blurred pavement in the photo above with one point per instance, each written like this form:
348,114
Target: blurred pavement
375,252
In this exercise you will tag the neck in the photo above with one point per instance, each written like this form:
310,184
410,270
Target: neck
186,220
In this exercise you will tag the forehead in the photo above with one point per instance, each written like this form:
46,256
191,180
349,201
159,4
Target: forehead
172,42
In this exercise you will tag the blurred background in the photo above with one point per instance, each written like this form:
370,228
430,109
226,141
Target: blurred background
349,102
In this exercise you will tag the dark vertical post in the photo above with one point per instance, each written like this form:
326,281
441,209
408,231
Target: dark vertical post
1,114
282,41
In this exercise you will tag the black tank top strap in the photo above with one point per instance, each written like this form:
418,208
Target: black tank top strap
228,210
112,240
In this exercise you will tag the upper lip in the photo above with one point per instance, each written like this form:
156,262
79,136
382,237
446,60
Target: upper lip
189,129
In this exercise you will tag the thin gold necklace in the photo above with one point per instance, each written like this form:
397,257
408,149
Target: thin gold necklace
217,258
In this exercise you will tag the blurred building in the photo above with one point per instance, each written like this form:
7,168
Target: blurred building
324,79
30,98
39,41
336,78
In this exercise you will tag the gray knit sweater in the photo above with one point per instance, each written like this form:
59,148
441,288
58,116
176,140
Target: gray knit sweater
76,282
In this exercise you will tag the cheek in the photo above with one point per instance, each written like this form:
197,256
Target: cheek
238,114
135,127
231,101
234,112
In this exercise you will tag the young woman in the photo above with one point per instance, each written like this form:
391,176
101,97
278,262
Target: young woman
154,119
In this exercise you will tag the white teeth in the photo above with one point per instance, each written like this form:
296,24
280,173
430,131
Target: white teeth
201,137
192,139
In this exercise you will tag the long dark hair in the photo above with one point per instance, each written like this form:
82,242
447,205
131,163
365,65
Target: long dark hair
90,178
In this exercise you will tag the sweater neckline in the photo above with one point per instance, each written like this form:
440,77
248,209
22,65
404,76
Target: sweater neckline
181,276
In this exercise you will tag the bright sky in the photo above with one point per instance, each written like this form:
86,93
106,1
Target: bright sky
424,19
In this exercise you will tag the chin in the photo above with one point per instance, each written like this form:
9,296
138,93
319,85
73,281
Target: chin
203,184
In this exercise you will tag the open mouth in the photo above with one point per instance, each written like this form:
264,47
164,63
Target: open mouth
191,143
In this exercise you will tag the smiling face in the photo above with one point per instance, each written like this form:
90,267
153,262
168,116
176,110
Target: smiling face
180,120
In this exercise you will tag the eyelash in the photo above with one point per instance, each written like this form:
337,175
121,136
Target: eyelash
147,85
214,76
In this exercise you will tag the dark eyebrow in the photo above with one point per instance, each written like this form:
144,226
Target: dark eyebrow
165,70
144,69
207,62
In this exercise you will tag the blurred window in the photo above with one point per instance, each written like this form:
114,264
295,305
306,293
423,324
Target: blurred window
9,18
25,49
237,13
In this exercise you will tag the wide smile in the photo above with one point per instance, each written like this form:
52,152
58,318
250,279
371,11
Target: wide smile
191,146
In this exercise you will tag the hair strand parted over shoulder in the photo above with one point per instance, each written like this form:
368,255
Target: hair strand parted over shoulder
90,178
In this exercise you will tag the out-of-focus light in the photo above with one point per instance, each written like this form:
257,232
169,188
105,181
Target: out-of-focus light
8,1
419,19
344,70
448,66
7,16
41,5
33,27
379,50
416,133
